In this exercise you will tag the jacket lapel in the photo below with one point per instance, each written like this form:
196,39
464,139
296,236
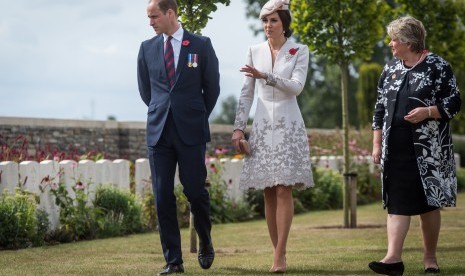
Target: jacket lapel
182,55
160,52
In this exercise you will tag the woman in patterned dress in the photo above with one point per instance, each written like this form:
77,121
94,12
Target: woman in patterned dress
417,97
280,157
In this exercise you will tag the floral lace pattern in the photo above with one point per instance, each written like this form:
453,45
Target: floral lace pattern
432,83
280,156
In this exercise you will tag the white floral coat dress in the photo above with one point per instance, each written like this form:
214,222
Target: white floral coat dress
432,83
278,138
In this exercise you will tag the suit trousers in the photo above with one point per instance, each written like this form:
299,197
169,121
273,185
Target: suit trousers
164,156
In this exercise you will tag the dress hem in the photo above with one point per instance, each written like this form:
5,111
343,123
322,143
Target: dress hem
296,185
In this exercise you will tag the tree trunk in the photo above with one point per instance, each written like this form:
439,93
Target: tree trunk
193,234
345,138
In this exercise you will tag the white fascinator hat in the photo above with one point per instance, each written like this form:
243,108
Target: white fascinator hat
272,6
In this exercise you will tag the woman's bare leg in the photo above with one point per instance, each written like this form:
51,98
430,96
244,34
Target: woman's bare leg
430,226
397,228
284,215
270,214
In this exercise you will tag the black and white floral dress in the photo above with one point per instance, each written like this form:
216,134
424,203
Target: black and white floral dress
278,138
430,83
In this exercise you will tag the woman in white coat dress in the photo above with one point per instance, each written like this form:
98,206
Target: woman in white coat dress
280,157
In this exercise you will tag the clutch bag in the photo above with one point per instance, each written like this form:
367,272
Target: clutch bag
244,146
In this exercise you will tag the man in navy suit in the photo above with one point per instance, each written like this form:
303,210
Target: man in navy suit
178,80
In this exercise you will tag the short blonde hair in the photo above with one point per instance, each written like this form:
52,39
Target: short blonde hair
408,30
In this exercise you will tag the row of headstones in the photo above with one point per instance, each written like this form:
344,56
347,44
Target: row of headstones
29,175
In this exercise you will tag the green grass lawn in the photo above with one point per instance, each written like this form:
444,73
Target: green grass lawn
317,246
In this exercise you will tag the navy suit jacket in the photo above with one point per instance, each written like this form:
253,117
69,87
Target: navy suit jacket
193,95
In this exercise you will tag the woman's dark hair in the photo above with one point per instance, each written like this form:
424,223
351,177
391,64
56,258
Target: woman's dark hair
286,19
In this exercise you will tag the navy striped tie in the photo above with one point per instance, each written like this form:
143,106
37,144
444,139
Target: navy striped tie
169,61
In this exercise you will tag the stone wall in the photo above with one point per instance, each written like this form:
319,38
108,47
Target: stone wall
116,139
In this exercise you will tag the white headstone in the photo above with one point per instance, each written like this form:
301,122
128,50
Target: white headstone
69,177
29,176
86,174
335,162
231,175
142,177
9,177
103,172
49,175
121,173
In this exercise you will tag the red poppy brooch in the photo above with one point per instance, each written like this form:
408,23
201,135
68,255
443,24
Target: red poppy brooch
185,42
291,53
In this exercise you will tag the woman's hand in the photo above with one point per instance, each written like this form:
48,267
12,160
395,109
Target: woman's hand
252,72
376,154
417,115
236,137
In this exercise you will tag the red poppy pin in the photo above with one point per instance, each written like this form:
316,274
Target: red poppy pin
291,53
185,42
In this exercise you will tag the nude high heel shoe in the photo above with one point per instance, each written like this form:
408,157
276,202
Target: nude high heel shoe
279,269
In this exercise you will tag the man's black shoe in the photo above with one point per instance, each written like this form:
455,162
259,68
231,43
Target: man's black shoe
171,269
206,256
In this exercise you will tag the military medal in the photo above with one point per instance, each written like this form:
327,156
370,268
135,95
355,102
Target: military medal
195,59
189,60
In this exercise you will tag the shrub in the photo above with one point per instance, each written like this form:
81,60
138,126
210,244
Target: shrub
18,220
223,208
217,190
149,212
183,207
327,192
368,183
78,219
256,199
43,228
122,213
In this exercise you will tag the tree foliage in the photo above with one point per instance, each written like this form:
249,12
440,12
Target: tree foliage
340,30
194,14
228,111
252,10
366,91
